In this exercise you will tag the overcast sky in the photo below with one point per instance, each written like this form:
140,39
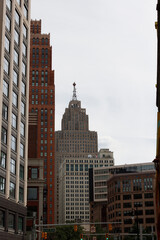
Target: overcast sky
108,47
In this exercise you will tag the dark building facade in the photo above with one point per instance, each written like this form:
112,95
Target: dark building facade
42,107
74,140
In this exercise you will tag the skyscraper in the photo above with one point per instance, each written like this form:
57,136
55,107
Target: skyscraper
42,107
14,92
75,140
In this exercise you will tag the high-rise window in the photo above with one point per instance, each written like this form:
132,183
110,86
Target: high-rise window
17,18
16,37
12,189
5,88
21,194
8,23
2,184
21,172
14,98
32,193
25,31
21,150
16,57
34,173
24,69
9,4
25,12
19,2
13,166
11,221
24,50
22,129
15,77
5,111
3,159
23,108
14,121
20,223
7,44
4,135
13,143
6,66
2,217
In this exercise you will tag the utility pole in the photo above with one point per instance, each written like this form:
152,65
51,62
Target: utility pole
157,159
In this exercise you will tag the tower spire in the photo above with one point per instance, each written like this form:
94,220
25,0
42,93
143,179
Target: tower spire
74,97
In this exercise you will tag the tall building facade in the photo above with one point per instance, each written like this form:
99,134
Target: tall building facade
14,93
42,108
74,185
75,140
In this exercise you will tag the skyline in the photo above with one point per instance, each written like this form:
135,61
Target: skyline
106,43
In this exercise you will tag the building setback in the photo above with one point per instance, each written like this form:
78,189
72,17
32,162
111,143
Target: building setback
42,107
14,93
74,141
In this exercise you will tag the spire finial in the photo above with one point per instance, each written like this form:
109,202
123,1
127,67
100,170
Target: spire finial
74,92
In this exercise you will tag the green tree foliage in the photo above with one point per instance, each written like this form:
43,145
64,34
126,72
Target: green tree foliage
66,233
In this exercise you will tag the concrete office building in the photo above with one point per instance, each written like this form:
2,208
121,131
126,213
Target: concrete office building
74,140
14,93
42,112
74,185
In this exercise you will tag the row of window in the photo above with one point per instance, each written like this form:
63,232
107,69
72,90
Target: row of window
11,221
42,41
12,189
17,15
13,142
3,160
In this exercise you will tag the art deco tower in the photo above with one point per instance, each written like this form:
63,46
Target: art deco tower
74,140
14,93
42,108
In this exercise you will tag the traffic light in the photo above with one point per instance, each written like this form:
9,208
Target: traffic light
42,234
106,236
110,227
81,236
45,235
75,228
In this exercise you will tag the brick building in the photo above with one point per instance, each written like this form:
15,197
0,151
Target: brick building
42,109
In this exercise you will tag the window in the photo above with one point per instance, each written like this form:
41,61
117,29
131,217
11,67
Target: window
24,69
20,224
5,111
2,184
14,121
34,173
32,193
16,37
3,159
15,77
4,135
24,50
6,66
21,194
13,143
23,108
21,172
17,18
23,88
7,44
14,99
25,12
9,4
2,217
25,32
22,129
16,57
19,2
5,88
8,23
12,189
11,221
13,166
21,150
